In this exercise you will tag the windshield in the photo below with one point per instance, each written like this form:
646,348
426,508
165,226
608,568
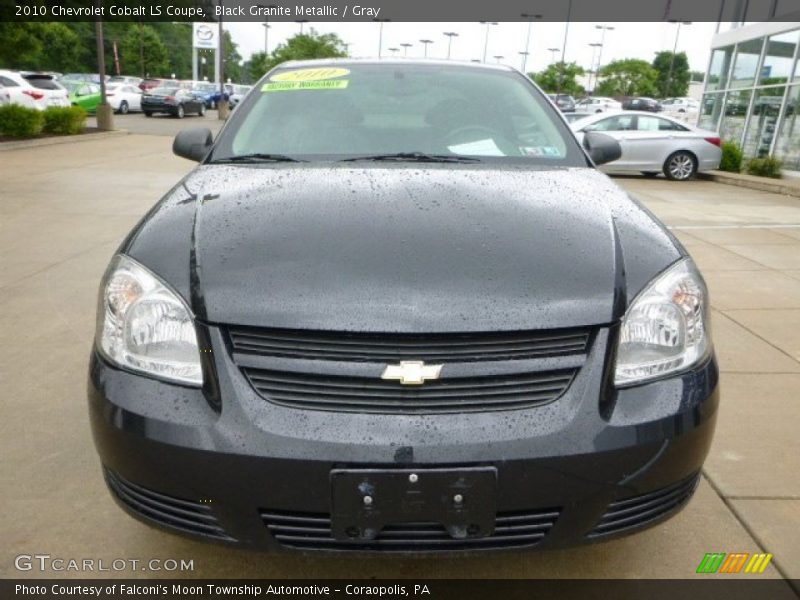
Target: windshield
369,110
204,87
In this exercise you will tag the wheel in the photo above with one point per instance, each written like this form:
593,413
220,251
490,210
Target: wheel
202,111
180,112
650,173
123,107
680,166
598,111
213,104
147,113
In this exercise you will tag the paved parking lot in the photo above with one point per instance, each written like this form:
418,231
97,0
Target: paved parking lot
60,224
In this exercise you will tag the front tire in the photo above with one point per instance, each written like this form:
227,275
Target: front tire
202,111
147,113
123,108
180,112
680,166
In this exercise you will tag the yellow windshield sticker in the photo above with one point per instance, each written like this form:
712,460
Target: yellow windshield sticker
311,74
283,86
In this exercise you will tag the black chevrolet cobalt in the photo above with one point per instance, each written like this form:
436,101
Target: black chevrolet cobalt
396,308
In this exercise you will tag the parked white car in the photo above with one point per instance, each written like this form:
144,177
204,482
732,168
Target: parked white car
124,97
124,79
34,90
597,104
239,92
5,97
655,143
680,105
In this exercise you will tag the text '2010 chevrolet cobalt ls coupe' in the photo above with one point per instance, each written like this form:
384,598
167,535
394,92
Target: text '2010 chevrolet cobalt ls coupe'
396,308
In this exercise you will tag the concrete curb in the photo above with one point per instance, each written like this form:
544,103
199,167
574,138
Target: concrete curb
786,187
61,139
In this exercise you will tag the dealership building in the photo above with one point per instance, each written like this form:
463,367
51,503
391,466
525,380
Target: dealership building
752,89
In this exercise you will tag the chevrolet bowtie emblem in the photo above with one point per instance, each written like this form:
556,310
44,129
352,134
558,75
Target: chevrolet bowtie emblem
411,372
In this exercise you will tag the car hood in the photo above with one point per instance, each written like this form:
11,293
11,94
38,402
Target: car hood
404,249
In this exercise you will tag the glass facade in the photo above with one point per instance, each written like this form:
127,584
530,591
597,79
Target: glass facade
752,95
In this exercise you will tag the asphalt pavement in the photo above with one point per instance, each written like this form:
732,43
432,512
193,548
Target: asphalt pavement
63,212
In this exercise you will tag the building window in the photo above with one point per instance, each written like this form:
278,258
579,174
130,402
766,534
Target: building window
746,63
763,121
787,147
710,110
731,126
778,59
718,70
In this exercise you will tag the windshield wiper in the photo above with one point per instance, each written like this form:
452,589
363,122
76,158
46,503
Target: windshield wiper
415,157
256,157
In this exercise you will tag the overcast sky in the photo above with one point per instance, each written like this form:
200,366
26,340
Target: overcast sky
626,40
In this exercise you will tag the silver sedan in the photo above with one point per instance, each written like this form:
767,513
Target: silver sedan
653,144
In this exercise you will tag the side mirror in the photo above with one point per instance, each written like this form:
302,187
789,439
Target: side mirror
602,148
193,144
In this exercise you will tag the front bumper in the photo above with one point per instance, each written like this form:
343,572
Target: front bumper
594,464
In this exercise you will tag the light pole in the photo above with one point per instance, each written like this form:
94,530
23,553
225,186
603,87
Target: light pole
425,43
450,35
267,27
524,55
595,45
604,28
394,51
672,59
380,23
301,22
498,57
486,42
552,54
566,33
406,46
528,38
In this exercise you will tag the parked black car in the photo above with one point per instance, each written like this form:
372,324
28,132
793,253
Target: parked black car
175,101
646,104
346,331
564,102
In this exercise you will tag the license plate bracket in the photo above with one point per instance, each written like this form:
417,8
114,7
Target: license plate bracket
363,501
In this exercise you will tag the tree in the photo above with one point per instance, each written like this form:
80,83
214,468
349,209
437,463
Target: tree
672,80
233,60
21,46
628,77
143,52
61,48
560,78
299,47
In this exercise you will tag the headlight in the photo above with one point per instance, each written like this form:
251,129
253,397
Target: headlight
666,328
144,326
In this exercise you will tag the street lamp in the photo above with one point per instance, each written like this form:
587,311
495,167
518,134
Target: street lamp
595,45
267,27
486,42
406,46
498,57
553,52
425,43
394,50
528,38
674,50
603,28
524,55
380,23
450,35
301,22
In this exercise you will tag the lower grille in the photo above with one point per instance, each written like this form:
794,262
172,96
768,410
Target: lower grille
311,531
361,394
638,511
176,513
